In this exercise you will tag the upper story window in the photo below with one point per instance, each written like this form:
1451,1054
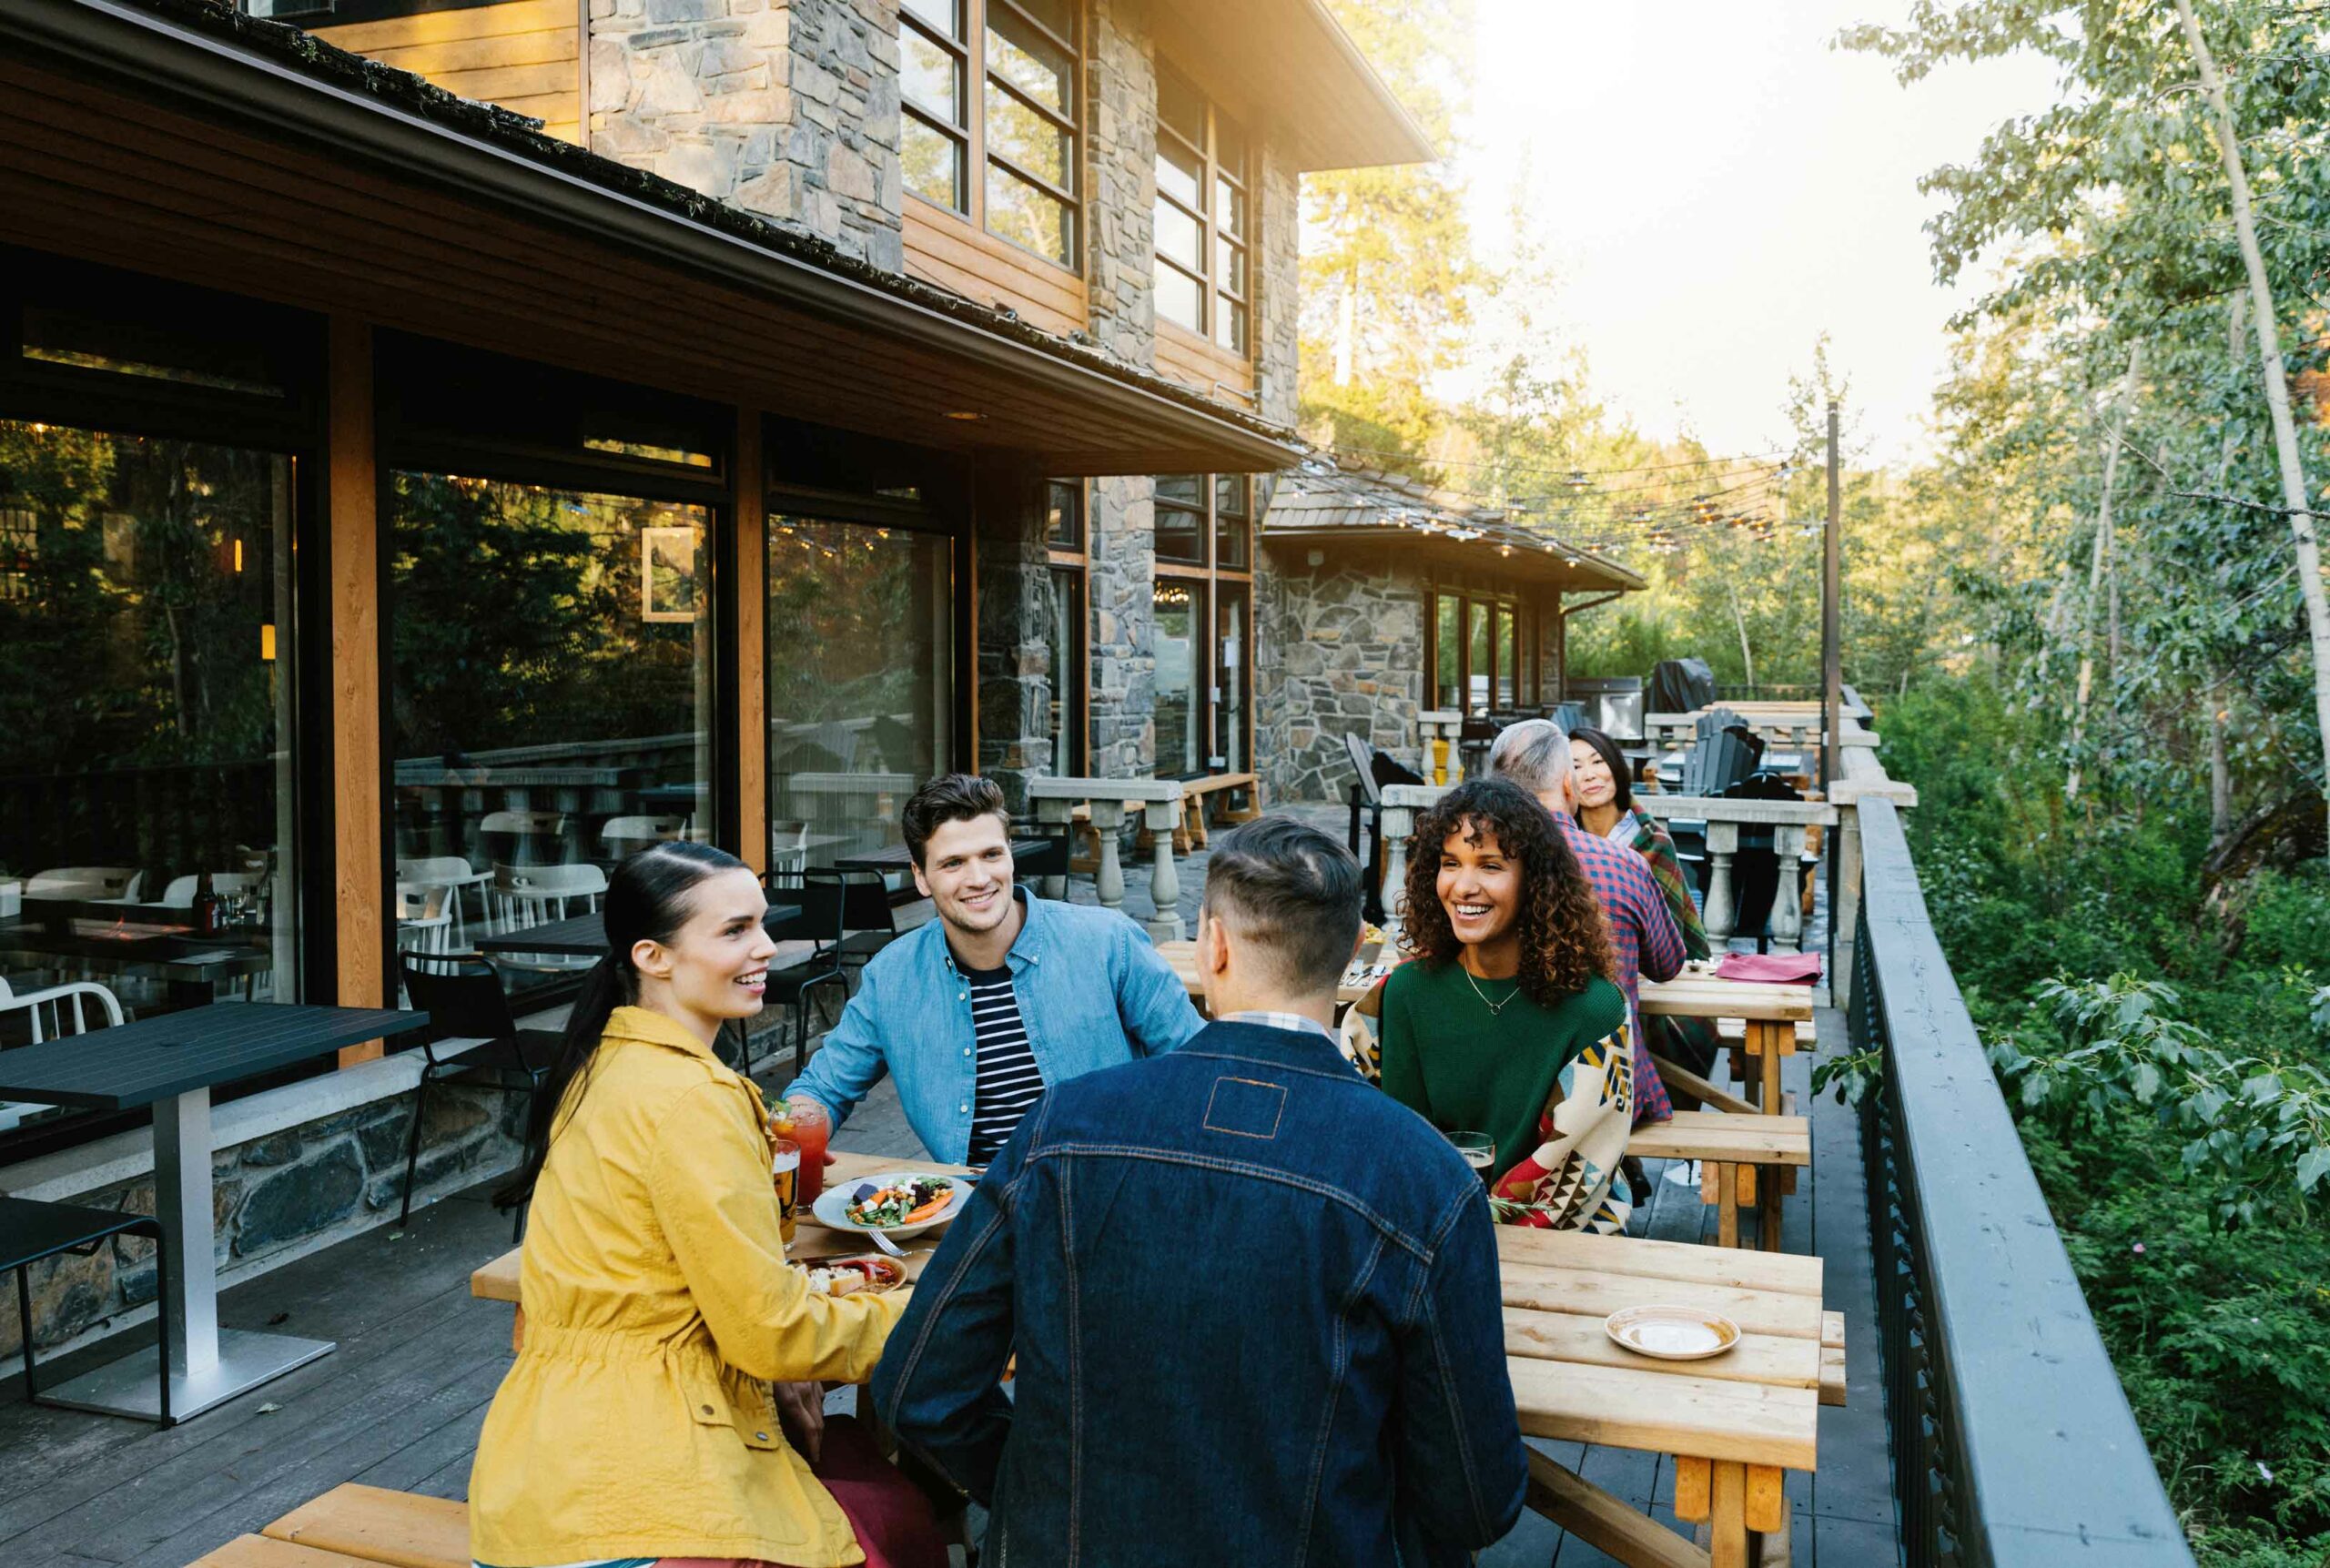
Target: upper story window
990,122
1204,216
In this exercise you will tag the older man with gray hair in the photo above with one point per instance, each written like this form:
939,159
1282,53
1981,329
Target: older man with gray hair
1644,937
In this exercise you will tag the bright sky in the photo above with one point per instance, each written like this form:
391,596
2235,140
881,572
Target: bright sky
1715,186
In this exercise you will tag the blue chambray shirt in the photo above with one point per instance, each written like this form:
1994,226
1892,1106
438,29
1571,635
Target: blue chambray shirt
1092,990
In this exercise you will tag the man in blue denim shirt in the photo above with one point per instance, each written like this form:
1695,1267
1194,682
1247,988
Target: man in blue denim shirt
1254,1301
982,1009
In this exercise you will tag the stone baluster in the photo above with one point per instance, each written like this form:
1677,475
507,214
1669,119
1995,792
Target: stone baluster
1109,880
1787,899
1399,822
1164,881
1059,815
1722,906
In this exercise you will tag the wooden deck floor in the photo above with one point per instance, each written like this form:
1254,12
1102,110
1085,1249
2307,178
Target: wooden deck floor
400,1401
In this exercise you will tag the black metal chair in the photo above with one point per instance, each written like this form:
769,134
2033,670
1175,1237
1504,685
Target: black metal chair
463,995
823,896
866,921
1029,868
30,1231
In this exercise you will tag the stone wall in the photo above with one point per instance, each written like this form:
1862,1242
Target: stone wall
1339,649
1278,287
1122,694
1121,165
333,1176
1015,674
788,109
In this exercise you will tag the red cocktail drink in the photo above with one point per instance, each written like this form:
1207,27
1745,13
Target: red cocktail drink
810,1129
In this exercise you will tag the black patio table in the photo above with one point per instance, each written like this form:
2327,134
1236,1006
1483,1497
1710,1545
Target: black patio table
172,1061
585,936
896,857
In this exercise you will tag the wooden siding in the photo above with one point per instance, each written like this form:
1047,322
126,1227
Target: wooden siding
1195,362
945,249
524,56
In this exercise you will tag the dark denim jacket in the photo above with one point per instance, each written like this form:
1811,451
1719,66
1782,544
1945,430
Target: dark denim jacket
1255,1305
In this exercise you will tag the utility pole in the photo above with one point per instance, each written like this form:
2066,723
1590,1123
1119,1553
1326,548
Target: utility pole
1832,653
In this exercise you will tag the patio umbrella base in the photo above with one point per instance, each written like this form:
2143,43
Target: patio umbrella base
130,1386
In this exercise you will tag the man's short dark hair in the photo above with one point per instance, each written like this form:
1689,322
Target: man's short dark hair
1292,891
949,797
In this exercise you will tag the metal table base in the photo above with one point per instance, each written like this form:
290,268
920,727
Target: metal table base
132,1387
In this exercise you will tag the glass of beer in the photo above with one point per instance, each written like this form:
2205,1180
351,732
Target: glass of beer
1478,1149
787,1170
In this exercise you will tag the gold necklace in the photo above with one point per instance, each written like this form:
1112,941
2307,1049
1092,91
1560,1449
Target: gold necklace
1494,1008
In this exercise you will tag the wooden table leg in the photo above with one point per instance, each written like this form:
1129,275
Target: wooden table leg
1719,1187
1767,1215
1764,1040
1727,1515
1766,1515
1604,1521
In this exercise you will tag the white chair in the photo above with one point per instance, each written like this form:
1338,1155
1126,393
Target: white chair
52,1001
448,871
424,916
624,834
90,882
533,896
180,891
788,852
525,826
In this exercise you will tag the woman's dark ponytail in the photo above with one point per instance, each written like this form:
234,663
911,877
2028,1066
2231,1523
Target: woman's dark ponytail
648,899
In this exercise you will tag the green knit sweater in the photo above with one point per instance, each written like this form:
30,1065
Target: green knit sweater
1465,1069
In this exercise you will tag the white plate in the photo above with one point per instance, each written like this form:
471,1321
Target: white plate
833,1201
1671,1333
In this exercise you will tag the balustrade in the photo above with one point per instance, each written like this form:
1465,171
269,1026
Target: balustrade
1106,802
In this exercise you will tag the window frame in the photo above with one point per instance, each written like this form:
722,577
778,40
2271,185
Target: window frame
1073,564
1213,173
975,79
1204,578
1495,605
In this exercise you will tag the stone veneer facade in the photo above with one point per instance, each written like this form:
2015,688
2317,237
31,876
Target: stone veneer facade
787,108
1339,649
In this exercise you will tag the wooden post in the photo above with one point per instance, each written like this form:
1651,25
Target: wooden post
1164,882
1844,906
1727,1515
1832,660
359,854
751,511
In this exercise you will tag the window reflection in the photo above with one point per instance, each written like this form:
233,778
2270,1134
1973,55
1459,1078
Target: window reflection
550,694
146,698
860,693
1180,622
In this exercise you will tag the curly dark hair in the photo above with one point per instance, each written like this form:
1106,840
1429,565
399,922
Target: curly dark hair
1565,937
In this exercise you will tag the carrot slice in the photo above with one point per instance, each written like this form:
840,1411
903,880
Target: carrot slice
931,1210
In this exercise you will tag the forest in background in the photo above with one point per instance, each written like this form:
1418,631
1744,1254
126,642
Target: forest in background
2082,620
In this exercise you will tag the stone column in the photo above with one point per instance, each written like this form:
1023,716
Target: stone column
1122,689
1012,586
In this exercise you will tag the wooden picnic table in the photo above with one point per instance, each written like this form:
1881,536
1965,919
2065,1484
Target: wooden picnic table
1734,1422
1771,1015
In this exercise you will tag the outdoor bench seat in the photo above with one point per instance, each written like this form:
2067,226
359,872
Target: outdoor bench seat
258,1551
1730,1148
401,1528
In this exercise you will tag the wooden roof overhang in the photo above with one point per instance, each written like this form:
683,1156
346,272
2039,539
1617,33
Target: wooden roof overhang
1287,69
177,138
1539,562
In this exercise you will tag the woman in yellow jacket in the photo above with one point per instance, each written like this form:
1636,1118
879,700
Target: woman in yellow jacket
639,1421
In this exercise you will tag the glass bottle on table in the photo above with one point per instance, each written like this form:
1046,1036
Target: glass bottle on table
206,906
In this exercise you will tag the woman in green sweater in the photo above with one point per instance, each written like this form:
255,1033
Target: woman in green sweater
1507,1022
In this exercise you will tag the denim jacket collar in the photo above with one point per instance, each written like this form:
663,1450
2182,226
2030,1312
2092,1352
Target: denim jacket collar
1300,1049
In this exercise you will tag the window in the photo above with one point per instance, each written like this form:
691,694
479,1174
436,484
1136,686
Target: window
1479,657
147,691
861,695
1204,216
1066,628
1202,602
991,115
1064,514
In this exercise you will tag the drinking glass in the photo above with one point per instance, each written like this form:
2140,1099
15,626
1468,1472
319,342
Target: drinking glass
787,1170
805,1121
1478,1149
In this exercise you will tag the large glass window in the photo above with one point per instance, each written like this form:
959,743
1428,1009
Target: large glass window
1179,632
551,691
991,86
1065,636
1448,654
1181,518
1232,681
861,697
1479,656
1506,675
147,698
1204,220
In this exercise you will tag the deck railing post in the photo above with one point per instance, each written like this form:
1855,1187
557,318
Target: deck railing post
1061,815
1788,898
1722,911
1844,915
1164,881
1109,879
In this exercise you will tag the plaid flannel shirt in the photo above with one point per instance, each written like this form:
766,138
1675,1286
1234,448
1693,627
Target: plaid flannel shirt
1643,936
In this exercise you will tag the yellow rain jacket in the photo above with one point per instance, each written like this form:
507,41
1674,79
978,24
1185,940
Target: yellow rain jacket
637,1422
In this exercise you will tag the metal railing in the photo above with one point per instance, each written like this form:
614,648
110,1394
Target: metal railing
2013,1446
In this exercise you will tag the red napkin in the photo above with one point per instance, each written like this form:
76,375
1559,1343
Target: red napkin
1770,968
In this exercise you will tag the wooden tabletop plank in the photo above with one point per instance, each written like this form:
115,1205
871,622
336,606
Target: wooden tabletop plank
1680,1414
1683,1262
1693,998
1726,1135
1588,1293
1576,1338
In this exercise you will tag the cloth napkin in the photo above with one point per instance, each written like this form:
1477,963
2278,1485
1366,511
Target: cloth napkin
1771,969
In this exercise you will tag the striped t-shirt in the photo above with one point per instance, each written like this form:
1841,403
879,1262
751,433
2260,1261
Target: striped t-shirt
1007,1082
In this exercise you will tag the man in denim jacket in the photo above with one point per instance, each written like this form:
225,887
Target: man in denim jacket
979,1011
1254,1301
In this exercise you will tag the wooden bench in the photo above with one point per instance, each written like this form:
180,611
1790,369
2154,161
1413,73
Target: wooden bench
1191,833
400,1529
1731,1148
